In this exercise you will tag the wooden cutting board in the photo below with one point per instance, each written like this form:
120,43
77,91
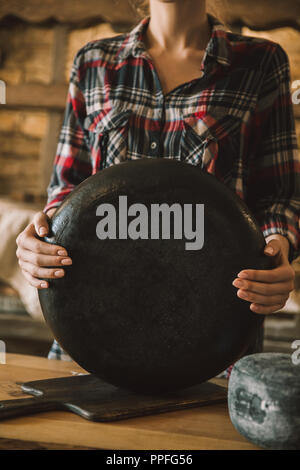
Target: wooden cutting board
95,400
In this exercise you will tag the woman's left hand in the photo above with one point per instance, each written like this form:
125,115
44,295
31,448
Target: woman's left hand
268,290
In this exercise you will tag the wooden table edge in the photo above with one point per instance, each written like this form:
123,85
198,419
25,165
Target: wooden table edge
128,438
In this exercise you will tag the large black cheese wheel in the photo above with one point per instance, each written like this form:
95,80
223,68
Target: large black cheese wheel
150,315
264,400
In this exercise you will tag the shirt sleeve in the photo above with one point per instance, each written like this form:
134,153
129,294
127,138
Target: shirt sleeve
274,170
72,163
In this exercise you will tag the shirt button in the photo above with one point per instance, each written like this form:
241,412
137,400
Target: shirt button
153,145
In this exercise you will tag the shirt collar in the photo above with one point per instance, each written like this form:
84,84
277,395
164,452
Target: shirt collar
218,46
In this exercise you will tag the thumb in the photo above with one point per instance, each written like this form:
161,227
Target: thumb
272,248
40,222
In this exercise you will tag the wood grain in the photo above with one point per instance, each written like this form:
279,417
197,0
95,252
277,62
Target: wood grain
37,96
263,14
16,444
199,428
68,11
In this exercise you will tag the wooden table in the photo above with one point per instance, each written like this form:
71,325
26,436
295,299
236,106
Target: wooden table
208,427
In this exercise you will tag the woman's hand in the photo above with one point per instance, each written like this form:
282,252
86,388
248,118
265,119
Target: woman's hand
33,253
268,290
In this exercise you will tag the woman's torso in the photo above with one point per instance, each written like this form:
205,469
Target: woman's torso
203,117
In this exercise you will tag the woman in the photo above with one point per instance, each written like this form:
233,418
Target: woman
179,85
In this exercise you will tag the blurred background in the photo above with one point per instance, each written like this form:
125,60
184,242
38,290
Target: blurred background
38,41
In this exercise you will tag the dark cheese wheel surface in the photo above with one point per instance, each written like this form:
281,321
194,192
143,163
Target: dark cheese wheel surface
148,314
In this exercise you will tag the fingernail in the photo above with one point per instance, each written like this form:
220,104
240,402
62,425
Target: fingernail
43,284
269,250
243,275
62,253
66,261
238,283
242,294
42,231
59,273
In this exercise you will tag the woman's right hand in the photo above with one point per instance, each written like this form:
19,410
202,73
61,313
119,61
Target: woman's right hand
33,254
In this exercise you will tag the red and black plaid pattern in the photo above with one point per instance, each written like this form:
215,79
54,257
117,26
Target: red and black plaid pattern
235,121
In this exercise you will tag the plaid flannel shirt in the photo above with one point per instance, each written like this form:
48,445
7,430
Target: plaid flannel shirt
235,121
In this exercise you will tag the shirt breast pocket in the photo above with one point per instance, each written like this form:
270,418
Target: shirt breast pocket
108,134
212,141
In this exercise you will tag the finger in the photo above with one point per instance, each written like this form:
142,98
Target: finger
42,260
282,273
40,222
35,282
262,299
265,310
41,273
264,288
30,242
272,248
